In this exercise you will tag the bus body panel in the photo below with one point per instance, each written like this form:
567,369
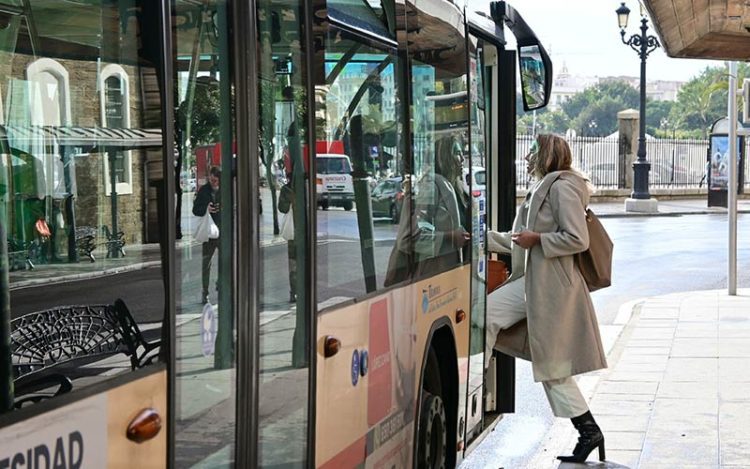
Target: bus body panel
91,432
370,418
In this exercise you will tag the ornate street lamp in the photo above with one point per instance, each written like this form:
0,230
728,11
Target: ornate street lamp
643,44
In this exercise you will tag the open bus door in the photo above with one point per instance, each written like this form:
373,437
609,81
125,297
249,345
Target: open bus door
493,145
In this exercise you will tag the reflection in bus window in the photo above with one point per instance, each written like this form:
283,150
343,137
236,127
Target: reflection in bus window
441,198
205,367
84,260
357,153
440,210
285,181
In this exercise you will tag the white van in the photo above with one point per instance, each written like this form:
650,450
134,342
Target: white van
334,181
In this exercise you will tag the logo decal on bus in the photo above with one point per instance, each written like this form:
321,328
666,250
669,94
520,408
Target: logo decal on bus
355,367
433,298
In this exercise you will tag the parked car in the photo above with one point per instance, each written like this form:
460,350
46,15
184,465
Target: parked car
664,173
387,199
477,182
603,174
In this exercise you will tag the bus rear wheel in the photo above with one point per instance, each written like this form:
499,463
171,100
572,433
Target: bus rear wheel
348,205
433,433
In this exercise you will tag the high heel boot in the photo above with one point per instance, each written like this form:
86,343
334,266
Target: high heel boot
590,437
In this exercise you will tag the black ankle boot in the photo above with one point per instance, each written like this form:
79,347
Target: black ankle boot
590,438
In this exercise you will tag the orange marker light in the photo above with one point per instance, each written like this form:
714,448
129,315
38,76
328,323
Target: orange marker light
144,426
460,315
331,346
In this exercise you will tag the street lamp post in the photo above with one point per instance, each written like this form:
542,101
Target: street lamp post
643,44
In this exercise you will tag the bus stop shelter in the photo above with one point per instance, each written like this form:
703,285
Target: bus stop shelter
693,29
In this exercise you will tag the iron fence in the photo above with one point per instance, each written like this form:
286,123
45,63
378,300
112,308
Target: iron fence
597,157
675,163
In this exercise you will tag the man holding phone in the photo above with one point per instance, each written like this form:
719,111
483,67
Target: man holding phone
207,199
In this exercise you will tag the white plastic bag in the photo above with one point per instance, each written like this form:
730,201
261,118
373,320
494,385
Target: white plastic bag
206,229
287,226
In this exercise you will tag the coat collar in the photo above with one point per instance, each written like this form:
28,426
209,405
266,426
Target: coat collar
539,195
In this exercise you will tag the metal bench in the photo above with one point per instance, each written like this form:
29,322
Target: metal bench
86,241
56,336
22,255
115,242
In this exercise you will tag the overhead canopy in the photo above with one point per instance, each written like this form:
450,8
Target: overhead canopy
704,29
85,138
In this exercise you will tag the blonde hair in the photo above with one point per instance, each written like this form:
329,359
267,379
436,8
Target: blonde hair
553,154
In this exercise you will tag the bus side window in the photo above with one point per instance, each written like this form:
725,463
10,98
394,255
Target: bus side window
441,199
356,232
83,180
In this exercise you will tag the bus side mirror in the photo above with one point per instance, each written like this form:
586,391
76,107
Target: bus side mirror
536,79
535,64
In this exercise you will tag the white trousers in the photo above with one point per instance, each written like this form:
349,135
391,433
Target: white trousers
505,307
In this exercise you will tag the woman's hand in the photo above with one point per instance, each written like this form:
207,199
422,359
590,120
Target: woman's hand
526,239
460,238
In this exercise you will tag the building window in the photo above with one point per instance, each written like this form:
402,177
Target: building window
114,92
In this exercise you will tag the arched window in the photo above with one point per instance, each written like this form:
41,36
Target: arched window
114,95
50,103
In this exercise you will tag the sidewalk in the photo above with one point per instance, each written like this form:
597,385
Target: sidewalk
677,391
675,207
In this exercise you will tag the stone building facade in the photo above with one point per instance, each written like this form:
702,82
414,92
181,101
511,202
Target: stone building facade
80,98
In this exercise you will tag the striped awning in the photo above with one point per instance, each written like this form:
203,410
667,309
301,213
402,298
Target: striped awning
84,138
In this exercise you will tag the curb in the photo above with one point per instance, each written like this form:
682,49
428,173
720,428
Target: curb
109,271
665,214
83,275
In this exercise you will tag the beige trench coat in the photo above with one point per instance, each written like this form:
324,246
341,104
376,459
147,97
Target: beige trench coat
561,333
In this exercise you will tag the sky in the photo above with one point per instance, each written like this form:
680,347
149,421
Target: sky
583,34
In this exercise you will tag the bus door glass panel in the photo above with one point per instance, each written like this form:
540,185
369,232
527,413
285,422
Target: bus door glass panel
82,222
205,394
363,249
440,128
480,114
358,154
283,205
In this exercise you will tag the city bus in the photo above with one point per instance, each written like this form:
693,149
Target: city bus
298,337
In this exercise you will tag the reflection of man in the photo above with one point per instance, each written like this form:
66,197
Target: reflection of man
207,199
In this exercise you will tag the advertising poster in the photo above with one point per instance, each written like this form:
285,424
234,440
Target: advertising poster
719,167
719,162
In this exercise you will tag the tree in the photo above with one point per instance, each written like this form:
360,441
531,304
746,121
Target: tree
599,104
699,102
598,118
658,119
703,100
